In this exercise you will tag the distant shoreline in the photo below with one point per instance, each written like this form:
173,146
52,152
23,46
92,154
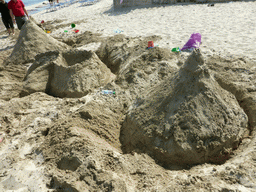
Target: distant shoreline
35,8
32,9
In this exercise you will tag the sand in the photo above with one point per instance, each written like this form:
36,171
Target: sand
226,28
54,144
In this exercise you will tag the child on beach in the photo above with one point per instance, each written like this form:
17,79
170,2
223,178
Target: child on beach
7,20
17,9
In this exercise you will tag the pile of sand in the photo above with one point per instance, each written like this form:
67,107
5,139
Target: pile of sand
186,119
72,73
32,41
175,112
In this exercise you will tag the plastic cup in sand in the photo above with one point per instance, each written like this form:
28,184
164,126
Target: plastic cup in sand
176,49
107,92
73,25
150,44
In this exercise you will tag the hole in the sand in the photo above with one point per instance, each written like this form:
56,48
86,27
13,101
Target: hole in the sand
45,132
80,56
69,163
60,186
81,178
245,106
85,115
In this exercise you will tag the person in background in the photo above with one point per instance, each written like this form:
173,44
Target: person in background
17,9
7,20
51,2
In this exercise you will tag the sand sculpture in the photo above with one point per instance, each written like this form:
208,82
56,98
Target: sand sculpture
187,119
167,114
72,73
32,41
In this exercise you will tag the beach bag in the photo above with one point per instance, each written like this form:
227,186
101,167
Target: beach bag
193,42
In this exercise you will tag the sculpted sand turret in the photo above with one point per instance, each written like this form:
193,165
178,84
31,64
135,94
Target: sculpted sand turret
188,119
32,41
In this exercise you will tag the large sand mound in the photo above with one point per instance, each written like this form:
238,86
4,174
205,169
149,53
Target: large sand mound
188,119
70,73
31,41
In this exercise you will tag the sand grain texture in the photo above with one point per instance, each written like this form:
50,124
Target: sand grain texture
200,104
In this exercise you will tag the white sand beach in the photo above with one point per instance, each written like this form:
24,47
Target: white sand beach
227,28
60,132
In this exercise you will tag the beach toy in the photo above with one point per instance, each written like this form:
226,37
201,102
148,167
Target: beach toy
150,44
176,49
65,31
48,32
73,25
118,31
108,92
45,31
42,21
76,31
193,42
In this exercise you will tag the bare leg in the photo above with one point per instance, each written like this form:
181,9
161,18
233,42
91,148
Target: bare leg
12,31
9,31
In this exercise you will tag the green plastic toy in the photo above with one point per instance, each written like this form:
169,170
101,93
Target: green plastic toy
176,49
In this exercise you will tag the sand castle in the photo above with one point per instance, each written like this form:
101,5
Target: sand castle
178,121
31,36
187,119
